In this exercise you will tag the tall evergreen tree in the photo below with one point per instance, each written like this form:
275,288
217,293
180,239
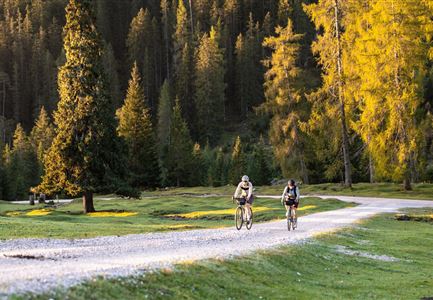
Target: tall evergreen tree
259,169
249,69
164,116
21,167
237,162
180,150
85,156
42,135
210,87
135,127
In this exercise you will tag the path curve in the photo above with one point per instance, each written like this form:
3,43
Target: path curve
68,262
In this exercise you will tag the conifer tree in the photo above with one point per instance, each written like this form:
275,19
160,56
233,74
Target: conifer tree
180,149
198,176
237,162
390,57
210,87
85,156
284,102
42,135
259,169
21,166
249,69
164,116
327,16
184,64
135,127
110,68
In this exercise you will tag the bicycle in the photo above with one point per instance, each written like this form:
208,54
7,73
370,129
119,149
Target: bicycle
241,216
292,219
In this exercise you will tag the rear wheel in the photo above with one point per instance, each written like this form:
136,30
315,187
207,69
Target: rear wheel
250,223
239,218
294,222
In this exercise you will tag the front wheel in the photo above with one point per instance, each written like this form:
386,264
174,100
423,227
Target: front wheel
289,220
239,218
249,223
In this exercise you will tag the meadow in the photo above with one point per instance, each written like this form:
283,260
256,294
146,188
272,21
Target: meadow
381,258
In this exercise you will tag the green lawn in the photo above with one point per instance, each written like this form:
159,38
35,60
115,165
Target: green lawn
149,215
315,270
386,190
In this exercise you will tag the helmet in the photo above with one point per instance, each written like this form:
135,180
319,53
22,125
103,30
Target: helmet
291,182
245,178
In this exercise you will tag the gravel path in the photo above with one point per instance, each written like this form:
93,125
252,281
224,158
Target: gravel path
27,263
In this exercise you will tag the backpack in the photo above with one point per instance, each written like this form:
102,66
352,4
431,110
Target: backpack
294,191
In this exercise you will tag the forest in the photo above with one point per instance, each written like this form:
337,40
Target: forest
117,96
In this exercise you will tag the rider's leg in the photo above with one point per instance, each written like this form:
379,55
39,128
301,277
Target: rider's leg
287,209
247,210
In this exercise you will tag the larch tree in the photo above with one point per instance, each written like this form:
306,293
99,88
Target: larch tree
85,156
209,87
392,68
327,16
284,102
135,127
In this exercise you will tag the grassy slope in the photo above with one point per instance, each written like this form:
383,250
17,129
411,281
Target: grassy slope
68,222
310,271
387,190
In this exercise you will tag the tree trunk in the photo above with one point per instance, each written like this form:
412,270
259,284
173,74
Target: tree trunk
371,168
406,184
345,146
88,202
304,171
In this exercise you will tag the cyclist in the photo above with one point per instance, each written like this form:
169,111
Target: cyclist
291,196
244,190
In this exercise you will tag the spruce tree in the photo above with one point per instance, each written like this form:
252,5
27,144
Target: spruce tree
135,127
237,162
180,149
164,116
199,175
41,137
259,168
21,166
85,156
210,87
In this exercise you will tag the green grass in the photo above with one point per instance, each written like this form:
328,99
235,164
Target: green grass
385,190
314,270
67,221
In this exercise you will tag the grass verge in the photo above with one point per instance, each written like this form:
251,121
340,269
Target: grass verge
382,258
422,191
124,216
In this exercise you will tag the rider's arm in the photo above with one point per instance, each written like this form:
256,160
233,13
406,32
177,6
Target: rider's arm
250,191
238,189
284,194
298,195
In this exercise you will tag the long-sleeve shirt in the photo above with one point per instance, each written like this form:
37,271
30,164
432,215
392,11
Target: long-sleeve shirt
244,190
285,193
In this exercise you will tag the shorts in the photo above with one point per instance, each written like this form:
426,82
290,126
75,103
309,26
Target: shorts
291,202
244,200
